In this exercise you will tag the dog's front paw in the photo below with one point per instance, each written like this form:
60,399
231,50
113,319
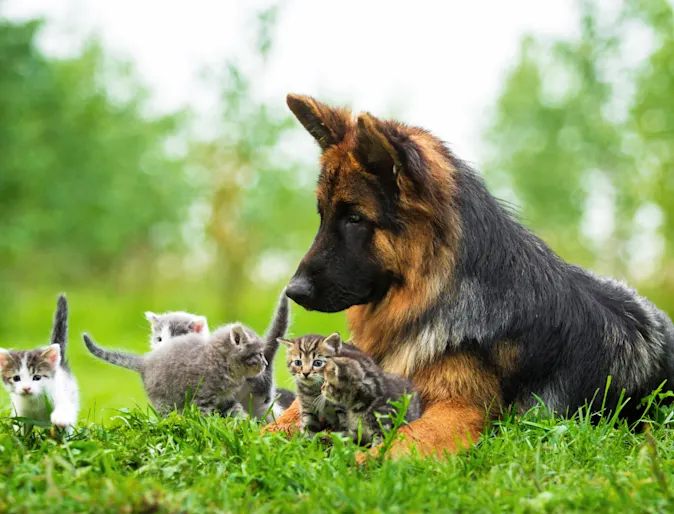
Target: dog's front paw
281,428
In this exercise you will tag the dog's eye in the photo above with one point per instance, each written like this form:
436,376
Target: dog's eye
354,218
16,378
36,378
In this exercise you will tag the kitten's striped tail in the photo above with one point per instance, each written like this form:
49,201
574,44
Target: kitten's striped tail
124,360
278,328
59,331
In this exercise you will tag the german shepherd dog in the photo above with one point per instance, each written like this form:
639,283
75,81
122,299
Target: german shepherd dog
442,285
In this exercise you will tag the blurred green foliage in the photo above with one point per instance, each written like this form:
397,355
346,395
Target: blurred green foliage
580,128
126,211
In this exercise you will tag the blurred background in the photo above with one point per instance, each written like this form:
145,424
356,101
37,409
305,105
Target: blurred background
148,161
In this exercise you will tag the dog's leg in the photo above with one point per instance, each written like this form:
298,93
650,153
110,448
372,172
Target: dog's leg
288,422
446,427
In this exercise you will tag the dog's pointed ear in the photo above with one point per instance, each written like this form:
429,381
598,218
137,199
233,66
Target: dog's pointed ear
375,148
328,126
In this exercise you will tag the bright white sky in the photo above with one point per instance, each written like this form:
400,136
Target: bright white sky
439,64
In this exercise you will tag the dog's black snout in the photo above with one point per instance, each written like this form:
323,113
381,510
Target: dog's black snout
300,290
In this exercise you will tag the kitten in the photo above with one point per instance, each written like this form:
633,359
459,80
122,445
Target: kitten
39,382
207,371
256,391
259,393
306,358
171,324
364,390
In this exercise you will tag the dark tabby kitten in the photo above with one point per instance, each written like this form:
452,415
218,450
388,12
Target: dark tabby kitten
306,358
364,390
259,394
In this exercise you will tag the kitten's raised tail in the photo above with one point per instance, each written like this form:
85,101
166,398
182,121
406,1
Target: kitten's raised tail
278,328
59,331
124,360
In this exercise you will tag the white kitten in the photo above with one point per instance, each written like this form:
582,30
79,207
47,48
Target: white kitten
39,382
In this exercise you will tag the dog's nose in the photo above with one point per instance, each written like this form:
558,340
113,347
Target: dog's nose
300,290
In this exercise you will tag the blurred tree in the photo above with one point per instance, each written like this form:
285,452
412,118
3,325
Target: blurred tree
584,144
87,184
256,208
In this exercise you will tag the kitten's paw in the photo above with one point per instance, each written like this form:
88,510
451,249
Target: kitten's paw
284,428
62,418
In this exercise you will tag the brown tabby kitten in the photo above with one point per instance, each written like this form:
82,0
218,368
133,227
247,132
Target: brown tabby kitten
364,390
306,358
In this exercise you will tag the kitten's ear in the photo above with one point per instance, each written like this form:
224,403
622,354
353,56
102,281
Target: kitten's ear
334,342
284,342
52,355
199,324
239,335
4,358
151,317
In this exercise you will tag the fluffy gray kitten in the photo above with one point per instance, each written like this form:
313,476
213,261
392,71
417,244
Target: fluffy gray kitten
206,371
365,391
255,391
172,324
39,382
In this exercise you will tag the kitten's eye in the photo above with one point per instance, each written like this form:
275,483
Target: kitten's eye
36,377
354,218
318,363
16,378
159,339
298,362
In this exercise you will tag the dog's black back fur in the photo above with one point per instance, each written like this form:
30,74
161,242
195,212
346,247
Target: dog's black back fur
573,329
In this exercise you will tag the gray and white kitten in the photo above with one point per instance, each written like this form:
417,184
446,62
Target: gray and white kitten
365,391
306,358
39,382
206,371
172,324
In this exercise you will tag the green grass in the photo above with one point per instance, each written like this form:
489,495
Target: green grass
130,461
138,463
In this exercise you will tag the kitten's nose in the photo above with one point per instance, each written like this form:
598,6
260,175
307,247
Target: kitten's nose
26,389
306,375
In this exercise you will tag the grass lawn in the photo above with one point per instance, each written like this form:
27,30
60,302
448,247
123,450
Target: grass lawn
139,463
